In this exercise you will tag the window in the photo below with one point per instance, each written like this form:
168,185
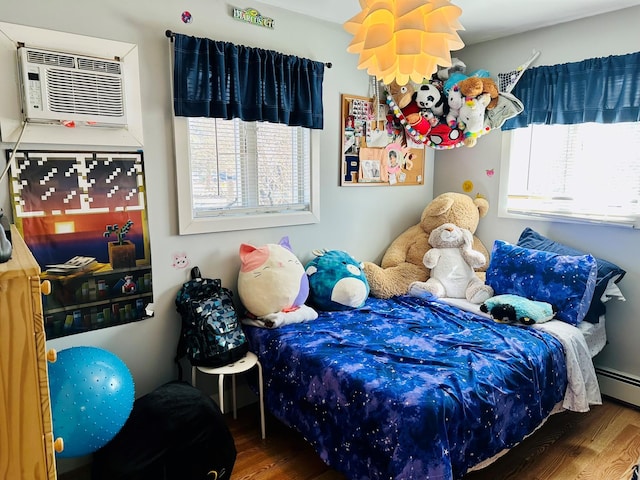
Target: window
588,172
236,175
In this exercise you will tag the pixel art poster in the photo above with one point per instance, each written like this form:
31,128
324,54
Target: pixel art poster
83,215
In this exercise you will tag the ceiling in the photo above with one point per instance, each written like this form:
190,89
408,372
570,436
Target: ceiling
482,19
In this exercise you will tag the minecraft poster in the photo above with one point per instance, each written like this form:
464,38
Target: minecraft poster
83,216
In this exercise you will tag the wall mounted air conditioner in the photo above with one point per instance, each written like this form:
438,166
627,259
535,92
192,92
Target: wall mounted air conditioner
62,87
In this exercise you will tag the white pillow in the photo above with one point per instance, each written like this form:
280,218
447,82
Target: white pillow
612,292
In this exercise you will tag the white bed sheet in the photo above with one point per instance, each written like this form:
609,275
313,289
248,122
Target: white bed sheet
595,335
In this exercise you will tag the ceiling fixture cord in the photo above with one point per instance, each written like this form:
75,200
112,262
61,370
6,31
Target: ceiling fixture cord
171,35
404,40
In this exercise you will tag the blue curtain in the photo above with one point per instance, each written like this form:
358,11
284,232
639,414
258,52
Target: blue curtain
601,90
223,80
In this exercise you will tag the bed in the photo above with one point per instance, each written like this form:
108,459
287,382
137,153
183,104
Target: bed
416,387
410,388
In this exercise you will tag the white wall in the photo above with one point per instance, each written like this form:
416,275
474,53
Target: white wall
360,220
610,34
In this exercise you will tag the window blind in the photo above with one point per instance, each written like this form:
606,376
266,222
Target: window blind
247,168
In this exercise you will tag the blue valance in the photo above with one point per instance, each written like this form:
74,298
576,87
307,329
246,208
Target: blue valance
222,80
601,90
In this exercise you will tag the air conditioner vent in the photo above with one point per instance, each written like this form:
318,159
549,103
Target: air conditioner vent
96,65
82,93
50,58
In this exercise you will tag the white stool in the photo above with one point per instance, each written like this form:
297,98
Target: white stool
245,363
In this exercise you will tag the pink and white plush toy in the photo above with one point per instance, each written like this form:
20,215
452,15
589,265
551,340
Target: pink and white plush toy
273,285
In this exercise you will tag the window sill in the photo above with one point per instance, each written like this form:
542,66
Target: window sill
247,222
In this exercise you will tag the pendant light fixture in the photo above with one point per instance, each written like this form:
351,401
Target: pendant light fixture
404,40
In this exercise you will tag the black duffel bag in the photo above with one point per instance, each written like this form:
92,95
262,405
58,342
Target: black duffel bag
175,432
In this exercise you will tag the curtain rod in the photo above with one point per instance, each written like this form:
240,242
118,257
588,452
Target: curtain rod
171,35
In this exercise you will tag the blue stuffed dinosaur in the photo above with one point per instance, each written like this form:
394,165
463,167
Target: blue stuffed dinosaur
336,281
514,308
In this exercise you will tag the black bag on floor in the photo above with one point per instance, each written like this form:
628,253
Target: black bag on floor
211,333
175,432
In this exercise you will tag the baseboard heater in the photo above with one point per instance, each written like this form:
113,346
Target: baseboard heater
620,385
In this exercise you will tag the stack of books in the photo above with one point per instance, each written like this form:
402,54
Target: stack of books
73,265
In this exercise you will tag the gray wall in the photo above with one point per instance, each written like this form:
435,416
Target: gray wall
360,220
611,34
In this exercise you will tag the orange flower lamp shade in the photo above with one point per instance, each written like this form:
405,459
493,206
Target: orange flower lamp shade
404,40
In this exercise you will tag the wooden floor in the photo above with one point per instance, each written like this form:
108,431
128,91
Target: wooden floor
603,444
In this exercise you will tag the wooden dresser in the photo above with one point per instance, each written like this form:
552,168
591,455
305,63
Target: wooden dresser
26,430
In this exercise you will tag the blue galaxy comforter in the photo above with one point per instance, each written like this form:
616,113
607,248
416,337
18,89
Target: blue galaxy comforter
409,388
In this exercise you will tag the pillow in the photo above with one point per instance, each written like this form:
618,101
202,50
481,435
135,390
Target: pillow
612,291
565,281
608,273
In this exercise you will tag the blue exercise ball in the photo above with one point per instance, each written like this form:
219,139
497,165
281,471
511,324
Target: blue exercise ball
92,395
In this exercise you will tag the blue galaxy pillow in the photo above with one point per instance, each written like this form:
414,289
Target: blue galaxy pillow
565,281
607,271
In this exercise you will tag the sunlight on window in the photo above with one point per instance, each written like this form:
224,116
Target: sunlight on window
587,172
241,166
235,175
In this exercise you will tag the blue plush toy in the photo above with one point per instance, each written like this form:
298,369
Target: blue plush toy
336,281
514,308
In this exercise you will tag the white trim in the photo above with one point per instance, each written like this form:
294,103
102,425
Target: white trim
620,385
503,186
10,100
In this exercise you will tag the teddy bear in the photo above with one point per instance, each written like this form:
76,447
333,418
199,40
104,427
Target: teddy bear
457,66
404,98
402,262
475,86
508,107
452,260
471,118
508,308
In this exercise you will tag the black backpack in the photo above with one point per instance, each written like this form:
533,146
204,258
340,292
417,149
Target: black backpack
211,333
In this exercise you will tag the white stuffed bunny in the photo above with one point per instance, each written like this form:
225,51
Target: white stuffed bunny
452,260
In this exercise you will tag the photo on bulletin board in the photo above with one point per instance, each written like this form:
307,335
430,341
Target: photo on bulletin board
373,151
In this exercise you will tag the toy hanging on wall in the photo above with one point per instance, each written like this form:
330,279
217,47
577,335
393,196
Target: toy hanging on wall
452,109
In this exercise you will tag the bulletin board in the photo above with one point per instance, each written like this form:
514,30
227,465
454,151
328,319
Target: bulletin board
374,153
